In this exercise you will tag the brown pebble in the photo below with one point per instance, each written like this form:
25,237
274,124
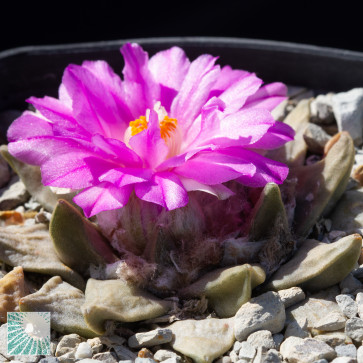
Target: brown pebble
145,353
11,217
12,289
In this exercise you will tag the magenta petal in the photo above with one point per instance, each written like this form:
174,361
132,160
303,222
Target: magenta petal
169,67
164,189
276,136
195,89
102,197
148,143
29,125
125,176
136,71
216,167
267,171
269,96
88,94
236,95
117,151
226,79
219,190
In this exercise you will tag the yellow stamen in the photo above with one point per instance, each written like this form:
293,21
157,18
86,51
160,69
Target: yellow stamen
167,126
138,125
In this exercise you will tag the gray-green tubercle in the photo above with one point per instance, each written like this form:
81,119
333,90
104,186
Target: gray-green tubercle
77,241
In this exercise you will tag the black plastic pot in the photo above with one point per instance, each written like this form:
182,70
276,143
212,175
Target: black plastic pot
37,71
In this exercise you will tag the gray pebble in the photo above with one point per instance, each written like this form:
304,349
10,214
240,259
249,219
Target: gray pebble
346,350
67,344
124,353
321,109
247,352
278,339
297,328
261,338
49,360
354,329
347,305
296,349
264,312
14,195
360,354
344,360
106,357
331,322
150,338
291,296
144,360
164,354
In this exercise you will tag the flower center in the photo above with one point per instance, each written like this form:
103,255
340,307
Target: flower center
167,126
169,129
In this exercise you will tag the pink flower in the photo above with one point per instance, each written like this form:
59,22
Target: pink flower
169,127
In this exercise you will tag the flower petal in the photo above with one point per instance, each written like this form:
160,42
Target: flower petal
236,95
29,125
136,71
102,197
169,69
269,96
89,107
125,176
277,135
216,167
219,190
267,171
164,189
195,89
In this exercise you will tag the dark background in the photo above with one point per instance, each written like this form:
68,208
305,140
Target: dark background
334,24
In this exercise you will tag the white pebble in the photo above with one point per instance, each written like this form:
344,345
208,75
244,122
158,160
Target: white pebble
84,350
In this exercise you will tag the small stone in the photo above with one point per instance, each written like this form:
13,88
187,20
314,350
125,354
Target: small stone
124,353
261,338
360,354
49,360
84,350
316,307
203,340
68,357
106,357
359,301
346,350
145,353
247,352
126,361
307,350
332,322
175,360
264,312
322,110
271,356
96,344
347,305
237,346
224,359
291,296
144,360
348,112
68,343
334,338
316,138
344,360
278,339
321,361
354,329
150,338
12,289
234,356
164,354
297,328
13,196
87,360
350,284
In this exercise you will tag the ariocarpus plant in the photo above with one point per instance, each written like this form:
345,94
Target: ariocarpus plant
164,158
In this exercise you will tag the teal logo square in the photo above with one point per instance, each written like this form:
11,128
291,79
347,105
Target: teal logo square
28,333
